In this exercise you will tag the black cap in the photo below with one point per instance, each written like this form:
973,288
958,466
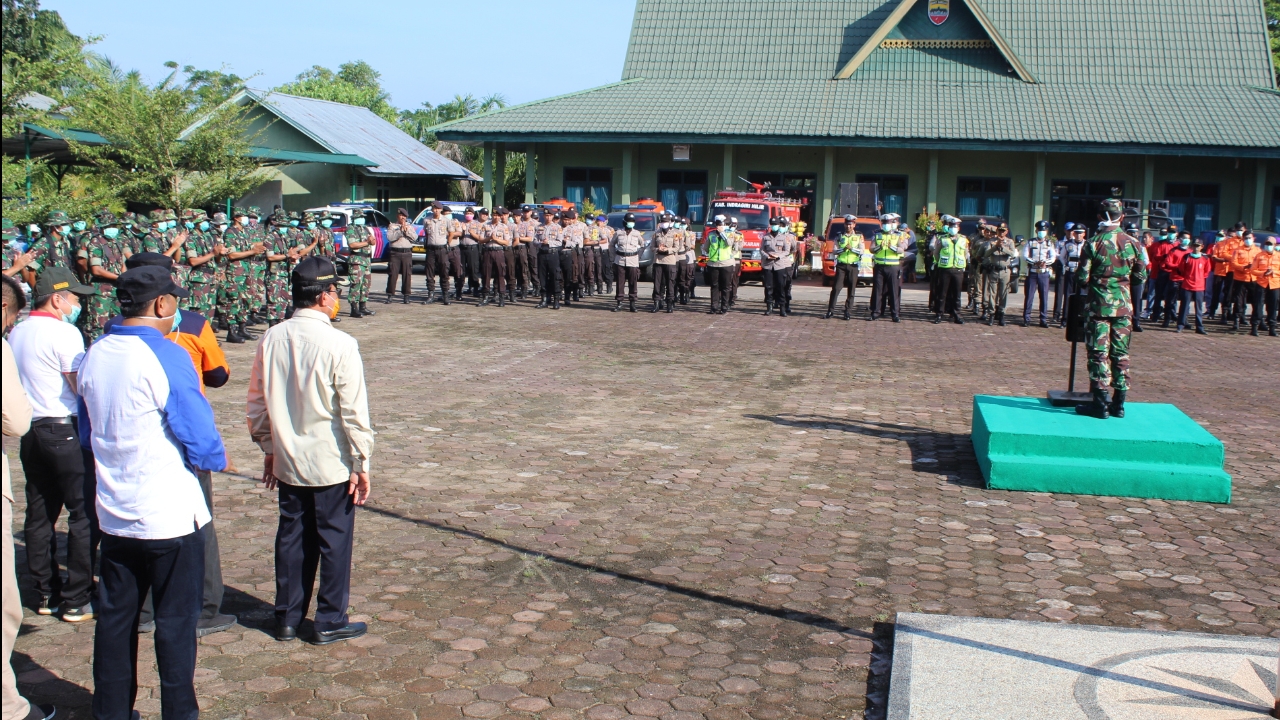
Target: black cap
60,279
500,210
141,285
402,211
152,259
314,271
629,217
570,213
437,205
482,211
1042,224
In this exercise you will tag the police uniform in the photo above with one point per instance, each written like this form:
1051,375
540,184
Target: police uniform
626,245
668,245
526,254
1040,254
777,256
603,236
497,239
887,251
996,262
473,236
550,242
951,258
574,234
1069,259
849,251
435,239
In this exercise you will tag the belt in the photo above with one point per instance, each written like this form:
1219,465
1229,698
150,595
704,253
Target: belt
401,250
437,247
567,249
494,247
619,253
64,420
546,249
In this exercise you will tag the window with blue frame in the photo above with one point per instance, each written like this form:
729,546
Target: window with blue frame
988,197
893,192
594,183
1193,206
684,193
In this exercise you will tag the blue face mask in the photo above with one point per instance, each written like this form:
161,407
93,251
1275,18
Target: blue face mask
204,225
177,320
72,316
78,225
326,223
111,232
282,230
311,226
293,223
1184,242
189,225
1195,254
630,225
358,221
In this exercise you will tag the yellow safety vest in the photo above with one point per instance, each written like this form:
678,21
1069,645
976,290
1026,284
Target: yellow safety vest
846,254
719,249
885,248
953,252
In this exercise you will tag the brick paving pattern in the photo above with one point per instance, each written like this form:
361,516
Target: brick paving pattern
585,514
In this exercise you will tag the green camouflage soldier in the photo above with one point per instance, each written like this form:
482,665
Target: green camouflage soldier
359,238
282,252
1108,263
327,247
201,266
154,240
80,234
241,245
108,250
57,233
256,285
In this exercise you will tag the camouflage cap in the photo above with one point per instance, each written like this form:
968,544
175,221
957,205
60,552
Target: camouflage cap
1112,210
56,217
308,217
255,211
140,222
188,213
294,215
279,218
170,215
105,218
199,216
219,218
237,212
6,226
156,215
129,218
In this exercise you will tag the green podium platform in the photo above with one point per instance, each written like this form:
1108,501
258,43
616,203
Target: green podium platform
1155,451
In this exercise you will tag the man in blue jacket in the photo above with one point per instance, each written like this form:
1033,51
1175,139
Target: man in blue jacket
151,430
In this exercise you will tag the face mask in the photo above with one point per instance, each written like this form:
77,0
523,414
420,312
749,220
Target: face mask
177,320
64,229
469,217
1268,248
1248,242
282,230
952,230
890,227
326,223
630,225
333,312
111,232
1195,254
72,316
79,225
204,225
1042,234
222,227
189,225
311,226
293,223
359,221
33,230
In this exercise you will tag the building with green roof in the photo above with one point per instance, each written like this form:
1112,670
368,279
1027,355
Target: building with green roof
1025,110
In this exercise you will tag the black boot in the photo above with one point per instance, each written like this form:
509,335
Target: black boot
768,309
404,300
444,297
827,316
1235,324
618,307
671,306
955,317
991,320
1098,408
937,319
1000,319
848,314
542,303
1117,403
1137,326
786,309
364,309
234,337
555,302
656,306
1253,330
355,310
632,306
484,300
501,300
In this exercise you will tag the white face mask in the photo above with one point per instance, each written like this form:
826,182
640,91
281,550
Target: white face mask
890,227
1042,234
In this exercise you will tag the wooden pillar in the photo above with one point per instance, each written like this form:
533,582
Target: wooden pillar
486,198
828,182
1037,190
628,164
931,186
530,172
728,167
500,175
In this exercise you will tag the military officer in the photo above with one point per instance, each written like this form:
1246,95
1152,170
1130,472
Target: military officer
240,245
668,246
574,234
52,249
996,264
473,222
849,251
280,255
627,244
951,256
1107,264
201,265
888,248
360,241
550,242
108,252
497,238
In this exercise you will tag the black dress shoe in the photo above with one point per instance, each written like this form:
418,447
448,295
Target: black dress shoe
351,630
285,633
42,712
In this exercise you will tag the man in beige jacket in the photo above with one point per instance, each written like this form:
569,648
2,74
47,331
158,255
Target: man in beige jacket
17,420
309,412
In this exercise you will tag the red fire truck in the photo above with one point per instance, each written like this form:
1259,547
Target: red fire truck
753,211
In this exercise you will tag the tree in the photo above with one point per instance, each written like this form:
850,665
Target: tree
211,87
421,122
1273,29
149,158
355,83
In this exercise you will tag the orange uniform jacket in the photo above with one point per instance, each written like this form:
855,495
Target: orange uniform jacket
1221,254
1264,262
196,337
1242,261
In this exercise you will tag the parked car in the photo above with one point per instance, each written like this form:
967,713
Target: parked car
346,212
456,208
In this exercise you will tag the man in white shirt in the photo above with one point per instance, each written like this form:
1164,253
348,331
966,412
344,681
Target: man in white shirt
48,347
309,412
1040,253
151,430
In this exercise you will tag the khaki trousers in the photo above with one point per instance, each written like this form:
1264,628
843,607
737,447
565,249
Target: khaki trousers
16,707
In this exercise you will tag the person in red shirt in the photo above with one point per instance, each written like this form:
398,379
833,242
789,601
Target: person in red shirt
1173,268
1160,282
1194,272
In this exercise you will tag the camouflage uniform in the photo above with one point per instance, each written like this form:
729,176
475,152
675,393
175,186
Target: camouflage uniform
201,279
358,263
109,254
1108,263
256,283
233,299
277,276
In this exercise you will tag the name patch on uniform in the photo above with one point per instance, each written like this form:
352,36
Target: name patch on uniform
939,11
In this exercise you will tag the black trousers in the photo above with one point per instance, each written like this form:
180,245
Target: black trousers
684,276
1241,295
399,267
1221,294
317,527
735,279
628,275
470,267
534,271
55,466
950,281
509,260
519,267
1162,306
846,279
886,284
664,283
721,281
590,271
1136,294
1195,299
549,272
1037,282
438,266
171,570
1270,298
495,272
777,287
569,271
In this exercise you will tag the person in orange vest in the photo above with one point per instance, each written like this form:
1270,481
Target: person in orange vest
1266,286
1221,253
1242,277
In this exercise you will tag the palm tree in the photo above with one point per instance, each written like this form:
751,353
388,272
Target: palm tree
419,123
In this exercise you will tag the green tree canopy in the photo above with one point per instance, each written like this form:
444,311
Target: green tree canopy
1273,29
355,83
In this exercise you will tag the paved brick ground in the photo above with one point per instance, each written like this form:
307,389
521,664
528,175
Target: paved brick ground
587,514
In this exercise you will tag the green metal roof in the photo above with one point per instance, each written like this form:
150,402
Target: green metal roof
265,153
1175,76
81,136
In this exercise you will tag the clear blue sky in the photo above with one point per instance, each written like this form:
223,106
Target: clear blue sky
426,50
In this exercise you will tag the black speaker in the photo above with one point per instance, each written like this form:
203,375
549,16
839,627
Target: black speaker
1158,215
859,199
1077,315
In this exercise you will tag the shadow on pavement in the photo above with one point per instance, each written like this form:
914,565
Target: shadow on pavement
41,686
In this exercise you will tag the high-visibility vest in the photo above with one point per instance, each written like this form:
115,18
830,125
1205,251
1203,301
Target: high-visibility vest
846,254
719,249
885,248
953,253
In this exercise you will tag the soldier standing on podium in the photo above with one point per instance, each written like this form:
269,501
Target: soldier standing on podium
1108,262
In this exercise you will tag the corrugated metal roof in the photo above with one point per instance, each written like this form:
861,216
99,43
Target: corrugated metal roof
353,130
265,153
1166,74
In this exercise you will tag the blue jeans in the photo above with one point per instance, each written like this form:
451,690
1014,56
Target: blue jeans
173,570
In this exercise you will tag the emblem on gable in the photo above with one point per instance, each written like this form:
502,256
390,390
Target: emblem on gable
939,10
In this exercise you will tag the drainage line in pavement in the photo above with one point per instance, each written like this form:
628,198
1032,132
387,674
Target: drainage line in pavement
812,619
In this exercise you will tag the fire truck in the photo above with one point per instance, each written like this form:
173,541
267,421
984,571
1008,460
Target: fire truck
753,211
